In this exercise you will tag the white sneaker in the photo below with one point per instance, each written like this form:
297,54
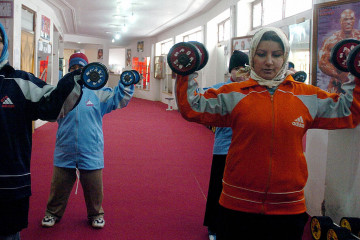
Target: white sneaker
212,236
48,221
98,222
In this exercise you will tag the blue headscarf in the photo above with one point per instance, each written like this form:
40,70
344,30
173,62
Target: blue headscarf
5,52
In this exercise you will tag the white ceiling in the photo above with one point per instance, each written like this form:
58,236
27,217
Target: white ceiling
104,18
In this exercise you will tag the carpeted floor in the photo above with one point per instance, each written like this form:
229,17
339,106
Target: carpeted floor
156,174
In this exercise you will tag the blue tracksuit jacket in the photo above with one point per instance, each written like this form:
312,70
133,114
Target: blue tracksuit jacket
79,139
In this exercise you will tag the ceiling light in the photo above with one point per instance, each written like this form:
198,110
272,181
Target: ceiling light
113,40
132,18
117,36
124,5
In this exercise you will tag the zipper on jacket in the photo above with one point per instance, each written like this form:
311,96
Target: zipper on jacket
271,150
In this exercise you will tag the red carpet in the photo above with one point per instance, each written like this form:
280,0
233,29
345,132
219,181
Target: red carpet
156,174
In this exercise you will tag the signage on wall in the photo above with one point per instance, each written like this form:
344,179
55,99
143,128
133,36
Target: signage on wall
6,9
45,28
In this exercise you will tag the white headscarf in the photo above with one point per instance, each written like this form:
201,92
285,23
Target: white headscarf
280,76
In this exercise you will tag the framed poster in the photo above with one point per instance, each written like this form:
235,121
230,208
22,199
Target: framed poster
45,28
6,9
140,46
128,57
100,54
241,43
333,21
159,71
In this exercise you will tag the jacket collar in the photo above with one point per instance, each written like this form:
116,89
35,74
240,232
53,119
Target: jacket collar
251,82
6,69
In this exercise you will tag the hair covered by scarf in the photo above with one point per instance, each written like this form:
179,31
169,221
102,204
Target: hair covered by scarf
5,53
280,76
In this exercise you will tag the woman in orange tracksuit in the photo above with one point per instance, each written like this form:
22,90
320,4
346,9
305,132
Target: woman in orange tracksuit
266,170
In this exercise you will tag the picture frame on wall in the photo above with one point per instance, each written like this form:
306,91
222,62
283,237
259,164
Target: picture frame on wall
241,44
100,53
128,57
6,9
45,28
140,46
332,22
159,69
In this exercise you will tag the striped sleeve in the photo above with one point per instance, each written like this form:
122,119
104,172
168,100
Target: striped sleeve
335,111
212,107
50,102
111,99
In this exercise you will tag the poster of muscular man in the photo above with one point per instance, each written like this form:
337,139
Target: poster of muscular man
333,21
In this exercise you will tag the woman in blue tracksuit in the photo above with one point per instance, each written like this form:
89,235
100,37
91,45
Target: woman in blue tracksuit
80,145
23,99
221,147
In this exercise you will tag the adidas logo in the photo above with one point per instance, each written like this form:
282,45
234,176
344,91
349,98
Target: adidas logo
7,103
89,103
299,122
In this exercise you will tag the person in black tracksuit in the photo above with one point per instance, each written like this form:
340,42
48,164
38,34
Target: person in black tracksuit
23,99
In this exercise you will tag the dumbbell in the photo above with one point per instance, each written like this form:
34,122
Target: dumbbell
323,228
300,76
351,223
345,56
185,58
130,77
95,75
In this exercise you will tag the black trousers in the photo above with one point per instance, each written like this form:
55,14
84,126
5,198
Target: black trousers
13,215
235,225
211,218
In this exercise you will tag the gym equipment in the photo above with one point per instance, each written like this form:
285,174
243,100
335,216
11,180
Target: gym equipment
353,61
342,52
319,226
204,53
351,223
185,58
300,76
95,75
323,228
137,76
130,77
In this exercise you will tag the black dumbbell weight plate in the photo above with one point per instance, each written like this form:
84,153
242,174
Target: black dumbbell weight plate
184,58
137,76
319,226
353,61
127,78
95,75
340,52
204,54
300,76
351,223
338,233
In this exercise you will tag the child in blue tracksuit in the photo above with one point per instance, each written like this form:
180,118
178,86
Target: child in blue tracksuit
221,147
80,145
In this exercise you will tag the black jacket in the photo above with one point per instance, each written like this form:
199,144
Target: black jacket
24,98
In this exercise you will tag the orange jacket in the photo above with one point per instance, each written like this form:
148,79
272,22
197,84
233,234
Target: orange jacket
266,170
